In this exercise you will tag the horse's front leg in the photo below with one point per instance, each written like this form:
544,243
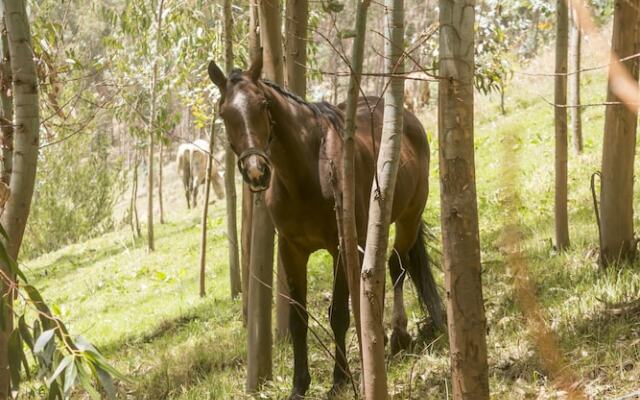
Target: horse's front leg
294,260
339,317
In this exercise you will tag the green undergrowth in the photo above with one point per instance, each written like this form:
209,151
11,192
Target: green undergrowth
144,311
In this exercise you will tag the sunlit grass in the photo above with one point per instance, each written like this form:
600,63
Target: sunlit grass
143,308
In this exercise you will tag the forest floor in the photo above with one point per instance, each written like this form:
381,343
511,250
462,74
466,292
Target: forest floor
144,311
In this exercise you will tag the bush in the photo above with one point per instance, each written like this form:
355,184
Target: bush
76,186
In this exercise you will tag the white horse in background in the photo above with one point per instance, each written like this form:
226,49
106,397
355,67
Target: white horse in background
192,168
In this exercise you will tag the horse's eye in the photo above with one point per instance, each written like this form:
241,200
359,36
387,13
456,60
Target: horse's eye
264,103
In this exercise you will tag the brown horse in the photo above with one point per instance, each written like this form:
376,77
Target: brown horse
289,148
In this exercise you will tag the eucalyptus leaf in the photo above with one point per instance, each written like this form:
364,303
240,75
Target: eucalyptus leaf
42,340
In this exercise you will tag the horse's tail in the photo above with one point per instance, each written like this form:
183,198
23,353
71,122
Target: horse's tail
420,272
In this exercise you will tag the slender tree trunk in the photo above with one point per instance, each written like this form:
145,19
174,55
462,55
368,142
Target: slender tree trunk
247,210
7,161
247,196
296,57
132,165
259,361
152,123
296,21
575,52
373,268
135,221
618,152
160,197
230,169
259,338
459,210
205,212
560,100
26,120
349,244
6,98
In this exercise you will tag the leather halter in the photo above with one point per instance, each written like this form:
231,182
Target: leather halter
255,151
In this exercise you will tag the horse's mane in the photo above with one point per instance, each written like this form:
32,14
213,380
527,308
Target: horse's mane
322,108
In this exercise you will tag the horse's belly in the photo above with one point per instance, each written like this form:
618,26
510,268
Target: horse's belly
308,225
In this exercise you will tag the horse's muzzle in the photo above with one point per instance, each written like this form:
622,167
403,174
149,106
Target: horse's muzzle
256,170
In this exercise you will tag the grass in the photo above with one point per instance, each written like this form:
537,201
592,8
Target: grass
143,310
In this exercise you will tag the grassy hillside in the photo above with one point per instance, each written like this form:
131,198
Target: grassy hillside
143,309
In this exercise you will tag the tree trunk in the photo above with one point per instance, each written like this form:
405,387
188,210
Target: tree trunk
26,120
296,57
245,243
560,100
459,210
6,98
205,212
618,152
259,339
575,52
349,240
259,360
151,128
230,169
135,221
296,21
247,196
160,199
373,268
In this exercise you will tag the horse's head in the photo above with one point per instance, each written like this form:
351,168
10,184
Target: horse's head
245,112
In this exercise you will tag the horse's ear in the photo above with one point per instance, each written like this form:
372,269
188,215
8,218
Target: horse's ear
255,70
217,76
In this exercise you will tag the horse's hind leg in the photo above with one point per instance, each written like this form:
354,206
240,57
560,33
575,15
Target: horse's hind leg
400,338
339,318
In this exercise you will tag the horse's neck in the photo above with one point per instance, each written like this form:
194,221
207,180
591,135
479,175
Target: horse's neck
295,140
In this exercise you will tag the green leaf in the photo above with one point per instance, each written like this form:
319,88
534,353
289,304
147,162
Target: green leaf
38,302
54,392
42,341
85,381
25,333
70,378
15,358
61,367
107,382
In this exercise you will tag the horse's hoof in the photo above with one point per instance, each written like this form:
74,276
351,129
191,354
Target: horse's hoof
400,340
295,396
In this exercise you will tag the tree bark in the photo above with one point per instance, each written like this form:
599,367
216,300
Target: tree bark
618,152
247,196
575,53
296,21
230,169
160,199
349,240
245,243
259,360
380,204
459,210
6,98
151,129
297,16
560,100
135,221
205,213
26,120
